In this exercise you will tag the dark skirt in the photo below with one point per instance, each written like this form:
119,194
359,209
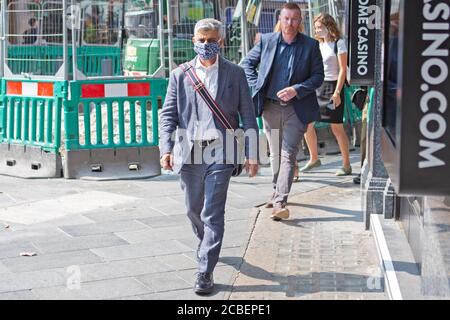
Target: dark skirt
324,94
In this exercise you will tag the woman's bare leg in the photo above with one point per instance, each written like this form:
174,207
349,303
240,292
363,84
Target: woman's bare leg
311,142
342,139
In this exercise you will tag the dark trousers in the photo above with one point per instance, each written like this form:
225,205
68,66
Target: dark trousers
363,140
205,187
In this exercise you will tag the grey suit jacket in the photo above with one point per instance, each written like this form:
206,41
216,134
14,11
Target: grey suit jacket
178,112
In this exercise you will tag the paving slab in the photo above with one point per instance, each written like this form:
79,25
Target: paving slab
149,235
184,294
180,261
166,221
222,278
140,250
168,281
78,243
122,214
105,289
321,249
49,209
12,282
14,249
122,269
30,234
50,261
3,269
18,295
103,227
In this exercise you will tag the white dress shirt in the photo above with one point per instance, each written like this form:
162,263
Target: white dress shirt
206,128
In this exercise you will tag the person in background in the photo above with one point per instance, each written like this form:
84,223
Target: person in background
284,69
30,35
331,94
277,28
361,100
90,32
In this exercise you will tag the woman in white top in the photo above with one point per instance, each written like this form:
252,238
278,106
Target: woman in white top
331,93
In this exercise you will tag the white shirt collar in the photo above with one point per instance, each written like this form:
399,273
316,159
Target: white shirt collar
199,65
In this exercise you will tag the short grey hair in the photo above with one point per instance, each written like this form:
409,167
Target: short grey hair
209,25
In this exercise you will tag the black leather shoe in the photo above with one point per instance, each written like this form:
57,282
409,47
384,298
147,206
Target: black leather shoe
357,179
204,283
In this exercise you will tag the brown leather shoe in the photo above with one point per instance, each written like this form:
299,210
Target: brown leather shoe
279,212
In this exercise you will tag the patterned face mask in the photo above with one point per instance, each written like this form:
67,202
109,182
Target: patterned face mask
206,51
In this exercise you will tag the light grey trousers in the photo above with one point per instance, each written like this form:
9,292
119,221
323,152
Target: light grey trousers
284,132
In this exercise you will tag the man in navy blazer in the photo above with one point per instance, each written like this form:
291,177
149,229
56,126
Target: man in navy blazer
284,93
195,144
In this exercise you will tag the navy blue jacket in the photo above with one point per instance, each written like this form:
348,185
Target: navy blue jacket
307,74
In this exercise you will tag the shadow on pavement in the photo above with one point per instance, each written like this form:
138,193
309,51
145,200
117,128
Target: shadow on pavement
330,182
299,285
351,215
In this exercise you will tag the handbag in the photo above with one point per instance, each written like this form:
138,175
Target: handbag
217,112
359,98
326,106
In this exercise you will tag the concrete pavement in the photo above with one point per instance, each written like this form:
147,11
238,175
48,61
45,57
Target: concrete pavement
131,239
321,252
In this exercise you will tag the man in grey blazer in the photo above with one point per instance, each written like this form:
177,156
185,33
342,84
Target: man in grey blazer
195,144
284,92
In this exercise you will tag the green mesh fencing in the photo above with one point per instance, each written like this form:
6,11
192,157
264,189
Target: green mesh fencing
46,60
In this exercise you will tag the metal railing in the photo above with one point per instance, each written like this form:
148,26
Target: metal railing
33,38
241,32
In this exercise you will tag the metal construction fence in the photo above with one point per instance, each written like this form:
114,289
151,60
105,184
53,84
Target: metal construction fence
82,81
33,38
242,32
42,36
109,38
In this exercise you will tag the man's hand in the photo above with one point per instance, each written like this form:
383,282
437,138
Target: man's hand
287,94
167,161
251,167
